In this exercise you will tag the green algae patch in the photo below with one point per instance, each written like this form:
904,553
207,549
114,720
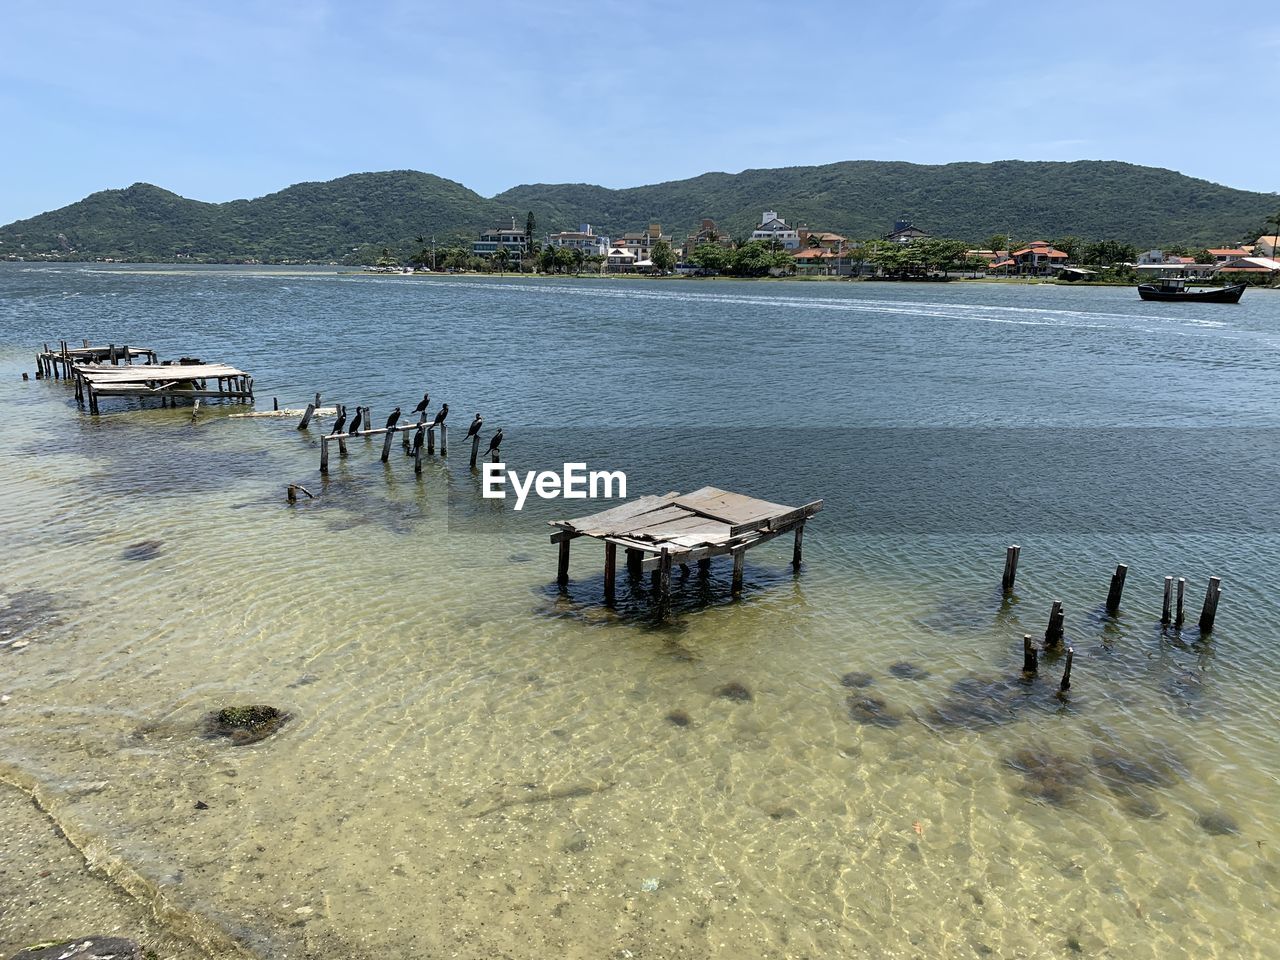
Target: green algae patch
243,725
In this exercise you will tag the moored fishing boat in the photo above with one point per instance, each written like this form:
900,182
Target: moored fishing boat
1169,289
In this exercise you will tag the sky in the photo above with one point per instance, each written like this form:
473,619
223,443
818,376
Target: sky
218,101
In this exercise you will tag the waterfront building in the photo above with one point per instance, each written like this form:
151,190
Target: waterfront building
773,229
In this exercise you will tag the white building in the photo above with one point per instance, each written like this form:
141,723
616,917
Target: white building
773,229
584,239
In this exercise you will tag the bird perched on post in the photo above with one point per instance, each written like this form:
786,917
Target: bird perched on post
444,412
476,424
391,420
494,443
417,440
340,422
422,405
355,424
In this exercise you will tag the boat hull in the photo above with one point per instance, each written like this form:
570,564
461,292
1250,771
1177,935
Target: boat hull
1229,294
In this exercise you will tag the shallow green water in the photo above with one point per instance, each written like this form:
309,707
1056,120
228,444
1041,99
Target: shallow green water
479,766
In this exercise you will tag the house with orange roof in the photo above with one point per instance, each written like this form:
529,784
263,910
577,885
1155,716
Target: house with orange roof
1223,254
1038,258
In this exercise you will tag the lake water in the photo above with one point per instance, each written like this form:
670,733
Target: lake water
478,765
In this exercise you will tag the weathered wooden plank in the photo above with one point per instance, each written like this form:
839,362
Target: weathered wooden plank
605,518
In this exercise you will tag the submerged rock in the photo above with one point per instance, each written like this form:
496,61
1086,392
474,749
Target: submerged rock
857,679
84,948
1154,766
142,550
871,711
1218,823
246,724
1047,776
980,702
734,691
678,718
905,670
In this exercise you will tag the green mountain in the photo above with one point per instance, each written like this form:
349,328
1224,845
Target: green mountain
972,201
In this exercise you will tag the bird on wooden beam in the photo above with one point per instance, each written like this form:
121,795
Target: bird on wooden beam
494,443
422,404
476,424
340,422
355,424
391,420
444,412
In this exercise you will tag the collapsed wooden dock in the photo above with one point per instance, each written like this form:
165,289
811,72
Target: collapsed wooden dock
166,381
59,364
657,532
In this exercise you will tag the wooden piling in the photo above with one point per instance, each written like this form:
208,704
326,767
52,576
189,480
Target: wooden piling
704,566
1117,588
417,458
324,455
1166,616
291,494
664,582
1029,656
1011,555
444,439
610,564
475,449
431,439
386,444
275,403
306,417
797,548
342,448
635,558
1053,633
1065,685
562,564
739,557
1180,613
1209,611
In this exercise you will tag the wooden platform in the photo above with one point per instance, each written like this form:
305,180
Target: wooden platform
57,364
659,531
160,380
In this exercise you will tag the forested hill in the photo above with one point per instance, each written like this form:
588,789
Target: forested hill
971,201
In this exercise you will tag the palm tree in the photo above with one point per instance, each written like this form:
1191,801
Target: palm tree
501,256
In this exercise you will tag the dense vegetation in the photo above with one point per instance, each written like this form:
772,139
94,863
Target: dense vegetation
350,219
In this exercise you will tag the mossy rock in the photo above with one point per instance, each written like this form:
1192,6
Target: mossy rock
85,948
246,724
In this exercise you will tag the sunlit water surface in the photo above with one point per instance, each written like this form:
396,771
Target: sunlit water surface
479,766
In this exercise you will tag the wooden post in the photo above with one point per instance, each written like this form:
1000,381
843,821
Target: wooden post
404,437
1053,634
1210,609
292,493
368,421
1065,685
417,458
431,439
738,557
1029,656
1010,567
111,352
306,417
562,565
317,400
1165,616
704,566
634,559
610,560
1117,588
386,444
275,403
1180,614
664,582
475,449
444,439
342,447
796,549
324,455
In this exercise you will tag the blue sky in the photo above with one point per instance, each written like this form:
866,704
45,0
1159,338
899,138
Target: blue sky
226,100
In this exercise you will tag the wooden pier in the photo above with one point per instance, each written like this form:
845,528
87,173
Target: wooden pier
59,364
657,532
166,381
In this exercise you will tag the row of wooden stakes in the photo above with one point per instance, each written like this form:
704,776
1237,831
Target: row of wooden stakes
1171,614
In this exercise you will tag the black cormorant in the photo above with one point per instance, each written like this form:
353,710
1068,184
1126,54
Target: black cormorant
340,422
444,412
355,424
476,424
391,420
495,442
423,404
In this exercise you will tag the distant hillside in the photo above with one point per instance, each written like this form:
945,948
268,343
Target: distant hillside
327,221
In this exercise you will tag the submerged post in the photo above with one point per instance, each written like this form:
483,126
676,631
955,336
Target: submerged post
1065,685
431,438
1166,617
1180,614
664,582
324,455
475,449
796,549
1210,609
386,443
444,439
1011,555
1029,656
634,560
1053,633
306,417
739,556
417,455
610,566
1117,588
562,563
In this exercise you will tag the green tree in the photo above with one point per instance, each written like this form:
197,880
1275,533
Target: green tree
751,259
564,259
999,242
579,258
1070,246
711,256
385,258
1204,256
663,257
502,257
547,259
529,226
